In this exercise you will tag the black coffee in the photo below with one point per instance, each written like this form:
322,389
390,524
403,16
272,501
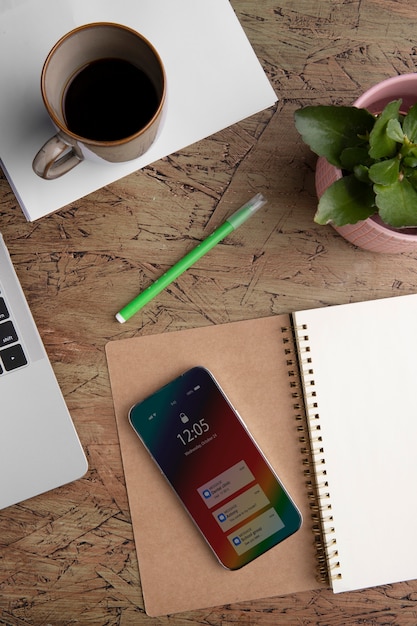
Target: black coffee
109,99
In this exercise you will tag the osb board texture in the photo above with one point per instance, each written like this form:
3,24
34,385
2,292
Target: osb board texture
68,557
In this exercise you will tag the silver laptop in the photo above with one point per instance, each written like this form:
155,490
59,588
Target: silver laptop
39,447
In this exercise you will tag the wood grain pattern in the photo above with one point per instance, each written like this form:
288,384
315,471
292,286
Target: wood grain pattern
67,557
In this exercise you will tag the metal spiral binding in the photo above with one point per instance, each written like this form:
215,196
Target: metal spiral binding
308,426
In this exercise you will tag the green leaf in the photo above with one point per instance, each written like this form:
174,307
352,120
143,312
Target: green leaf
352,157
410,124
409,154
410,161
385,172
328,130
346,201
381,145
394,131
361,172
397,203
411,175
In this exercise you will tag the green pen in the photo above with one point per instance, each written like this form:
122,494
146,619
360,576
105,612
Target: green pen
232,222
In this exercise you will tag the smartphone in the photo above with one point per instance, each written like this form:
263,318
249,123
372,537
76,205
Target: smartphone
222,478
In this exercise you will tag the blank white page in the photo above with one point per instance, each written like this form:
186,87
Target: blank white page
364,373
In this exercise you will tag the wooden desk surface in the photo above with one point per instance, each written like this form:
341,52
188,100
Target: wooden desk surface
68,557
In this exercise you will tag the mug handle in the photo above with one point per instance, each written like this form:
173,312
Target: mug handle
56,157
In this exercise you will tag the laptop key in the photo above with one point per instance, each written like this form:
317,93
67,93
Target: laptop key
4,313
13,357
7,334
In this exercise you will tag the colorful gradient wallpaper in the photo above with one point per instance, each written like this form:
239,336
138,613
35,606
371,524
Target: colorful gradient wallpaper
217,470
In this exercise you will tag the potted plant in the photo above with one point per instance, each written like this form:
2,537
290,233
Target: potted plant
366,174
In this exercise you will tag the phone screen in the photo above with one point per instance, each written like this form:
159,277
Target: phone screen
219,473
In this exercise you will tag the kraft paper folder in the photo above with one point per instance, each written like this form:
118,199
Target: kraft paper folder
329,394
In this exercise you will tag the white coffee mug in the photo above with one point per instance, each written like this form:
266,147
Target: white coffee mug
104,87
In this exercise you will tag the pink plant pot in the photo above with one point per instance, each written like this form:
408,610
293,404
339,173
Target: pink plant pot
372,233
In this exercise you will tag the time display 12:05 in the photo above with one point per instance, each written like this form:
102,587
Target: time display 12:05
196,430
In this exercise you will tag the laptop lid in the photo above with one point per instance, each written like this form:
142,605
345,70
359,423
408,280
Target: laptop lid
39,447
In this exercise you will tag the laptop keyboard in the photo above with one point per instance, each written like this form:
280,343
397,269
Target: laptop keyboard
12,355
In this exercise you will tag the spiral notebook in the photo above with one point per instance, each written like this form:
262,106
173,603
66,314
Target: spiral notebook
329,395
358,367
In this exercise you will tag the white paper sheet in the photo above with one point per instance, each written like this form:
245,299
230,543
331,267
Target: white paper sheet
213,75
